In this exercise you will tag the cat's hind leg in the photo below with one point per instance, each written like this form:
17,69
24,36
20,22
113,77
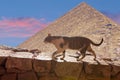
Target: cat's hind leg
92,51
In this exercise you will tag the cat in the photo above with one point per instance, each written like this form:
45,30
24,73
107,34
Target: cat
62,43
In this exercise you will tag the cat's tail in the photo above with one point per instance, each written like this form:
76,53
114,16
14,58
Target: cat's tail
97,44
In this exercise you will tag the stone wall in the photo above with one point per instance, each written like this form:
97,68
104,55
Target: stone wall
12,68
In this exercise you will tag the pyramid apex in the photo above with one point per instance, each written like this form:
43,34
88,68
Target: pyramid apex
83,3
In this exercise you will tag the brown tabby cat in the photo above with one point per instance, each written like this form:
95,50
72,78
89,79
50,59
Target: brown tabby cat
76,43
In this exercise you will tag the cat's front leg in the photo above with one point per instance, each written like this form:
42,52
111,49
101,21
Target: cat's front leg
53,56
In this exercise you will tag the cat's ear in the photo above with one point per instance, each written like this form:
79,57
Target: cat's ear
49,34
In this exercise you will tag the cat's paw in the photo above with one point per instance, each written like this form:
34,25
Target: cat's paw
95,59
54,58
61,58
79,59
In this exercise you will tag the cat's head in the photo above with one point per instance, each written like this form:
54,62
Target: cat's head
48,39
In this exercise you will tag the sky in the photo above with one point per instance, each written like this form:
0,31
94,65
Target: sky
20,19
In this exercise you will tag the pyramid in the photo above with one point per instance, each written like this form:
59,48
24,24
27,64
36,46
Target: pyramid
82,20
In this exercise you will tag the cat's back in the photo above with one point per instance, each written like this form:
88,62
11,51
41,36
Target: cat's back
76,42
76,38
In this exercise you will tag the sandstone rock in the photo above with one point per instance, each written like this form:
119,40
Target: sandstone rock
27,76
49,77
115,69
68,70
2,60
29,69
35,51
20,50
14,70
9,77
97,72
18,64
118,77
115,72
26,50
42,66
2,70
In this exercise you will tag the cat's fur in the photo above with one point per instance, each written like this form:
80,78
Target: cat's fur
62,43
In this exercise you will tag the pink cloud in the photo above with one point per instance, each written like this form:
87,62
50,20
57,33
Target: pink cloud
21,27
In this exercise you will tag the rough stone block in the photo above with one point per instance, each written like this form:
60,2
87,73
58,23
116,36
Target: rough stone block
18,64
2,60
97,72
9,77
68,70
2,70
118,76
115,72
27,76
115,69
42,66
49,77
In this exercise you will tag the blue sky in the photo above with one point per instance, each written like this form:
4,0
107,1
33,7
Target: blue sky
20,19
